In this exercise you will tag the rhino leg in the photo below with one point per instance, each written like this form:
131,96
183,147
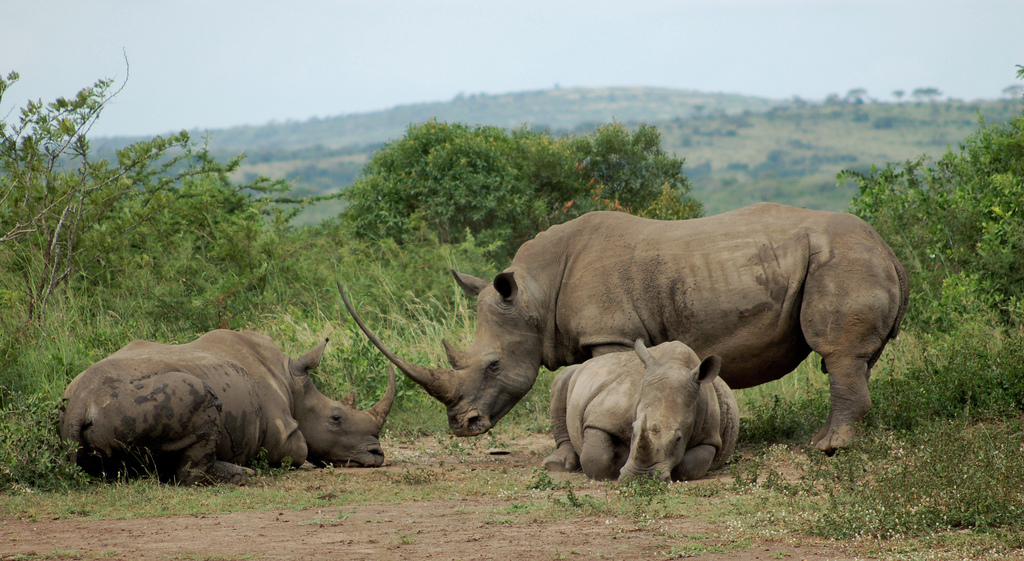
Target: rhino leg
848,382
226,472
602,457
851,305
564,457
696,463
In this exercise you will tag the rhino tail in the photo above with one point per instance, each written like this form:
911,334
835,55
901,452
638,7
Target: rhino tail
74,423
901,273
904,281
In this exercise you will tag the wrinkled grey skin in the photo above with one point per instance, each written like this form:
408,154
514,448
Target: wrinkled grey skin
198,412
761,287
660,413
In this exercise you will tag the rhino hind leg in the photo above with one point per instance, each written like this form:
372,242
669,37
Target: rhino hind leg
850,310
226,472
848,380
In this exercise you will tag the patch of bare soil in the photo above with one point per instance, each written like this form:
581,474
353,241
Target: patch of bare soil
441,529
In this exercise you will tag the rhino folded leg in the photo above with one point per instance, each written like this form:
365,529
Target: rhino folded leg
564,458
696,463
601,457
848,380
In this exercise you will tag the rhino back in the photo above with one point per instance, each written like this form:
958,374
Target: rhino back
729,284
116,379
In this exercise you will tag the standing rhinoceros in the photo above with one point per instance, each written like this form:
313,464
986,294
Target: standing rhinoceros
198,412
659,412
761,287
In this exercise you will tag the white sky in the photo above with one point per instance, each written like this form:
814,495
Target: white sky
218,63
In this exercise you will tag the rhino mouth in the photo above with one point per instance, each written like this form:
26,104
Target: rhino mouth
474,425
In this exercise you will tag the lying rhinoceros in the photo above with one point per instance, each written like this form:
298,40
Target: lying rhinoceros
761,287
659,412
199,412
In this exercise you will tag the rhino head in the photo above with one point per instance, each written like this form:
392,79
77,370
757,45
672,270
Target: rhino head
335,431
669,403
486,381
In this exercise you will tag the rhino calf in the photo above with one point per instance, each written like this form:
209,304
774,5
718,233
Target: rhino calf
199,412
659,412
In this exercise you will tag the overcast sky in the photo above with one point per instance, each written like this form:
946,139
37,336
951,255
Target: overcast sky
217,63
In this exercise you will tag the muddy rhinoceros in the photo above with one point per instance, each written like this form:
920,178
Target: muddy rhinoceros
761,287
200,411
659,412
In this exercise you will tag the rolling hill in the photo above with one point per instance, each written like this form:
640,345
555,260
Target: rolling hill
738,149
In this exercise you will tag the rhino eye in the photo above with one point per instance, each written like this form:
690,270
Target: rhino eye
336,419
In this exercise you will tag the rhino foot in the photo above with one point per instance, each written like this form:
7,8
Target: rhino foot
563,459
832,439
225,472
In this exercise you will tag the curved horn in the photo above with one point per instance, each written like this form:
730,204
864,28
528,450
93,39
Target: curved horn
438,382
380,410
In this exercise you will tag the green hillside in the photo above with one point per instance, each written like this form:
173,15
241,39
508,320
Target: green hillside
567,109
738,149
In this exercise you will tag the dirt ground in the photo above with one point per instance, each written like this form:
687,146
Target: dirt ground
442,529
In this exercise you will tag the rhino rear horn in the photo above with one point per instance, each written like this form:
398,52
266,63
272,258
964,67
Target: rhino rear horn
438,382
456,358
645,355
380,410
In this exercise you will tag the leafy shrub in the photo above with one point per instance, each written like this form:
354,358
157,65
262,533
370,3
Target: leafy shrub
961,219
974,371
31,453
502,187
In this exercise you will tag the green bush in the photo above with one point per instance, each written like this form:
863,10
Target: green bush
31,453
958,225
502,187
974,371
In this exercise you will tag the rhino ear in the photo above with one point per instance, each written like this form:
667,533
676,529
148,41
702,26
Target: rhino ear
469,284
308,361
349,400
709,368
505,284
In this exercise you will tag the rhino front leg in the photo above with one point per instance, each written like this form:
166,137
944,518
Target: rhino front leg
848,382
564,458
600,457
696,463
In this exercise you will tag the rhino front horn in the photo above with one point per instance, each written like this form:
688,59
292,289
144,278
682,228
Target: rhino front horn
438,382
380,410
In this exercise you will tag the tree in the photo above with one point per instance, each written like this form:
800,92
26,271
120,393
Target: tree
502,187
856,96
63,212
929,94
898,94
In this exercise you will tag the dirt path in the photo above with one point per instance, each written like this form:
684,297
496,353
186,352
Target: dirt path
444,528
